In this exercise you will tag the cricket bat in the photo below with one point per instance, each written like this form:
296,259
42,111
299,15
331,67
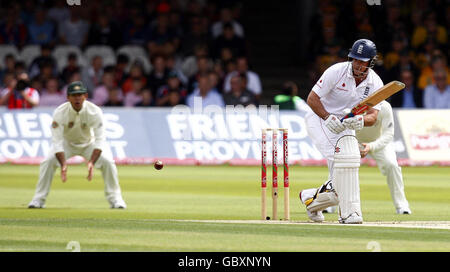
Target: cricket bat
381,94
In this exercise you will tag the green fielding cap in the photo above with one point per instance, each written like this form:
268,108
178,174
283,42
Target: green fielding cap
76,87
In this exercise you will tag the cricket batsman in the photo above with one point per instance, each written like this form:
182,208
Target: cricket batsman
341,86
78,129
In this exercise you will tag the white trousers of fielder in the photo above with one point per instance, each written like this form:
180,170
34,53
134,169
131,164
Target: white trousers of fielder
386,160
105,163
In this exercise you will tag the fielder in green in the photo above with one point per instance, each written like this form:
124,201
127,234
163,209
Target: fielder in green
78,129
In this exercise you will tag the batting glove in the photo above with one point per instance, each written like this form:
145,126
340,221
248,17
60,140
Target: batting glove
334,124
356,122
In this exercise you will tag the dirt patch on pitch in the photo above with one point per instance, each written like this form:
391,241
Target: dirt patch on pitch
391,224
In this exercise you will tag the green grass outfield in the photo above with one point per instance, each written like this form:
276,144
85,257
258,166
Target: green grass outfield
212,208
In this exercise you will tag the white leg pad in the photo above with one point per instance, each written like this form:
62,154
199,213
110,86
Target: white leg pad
346,176
323,201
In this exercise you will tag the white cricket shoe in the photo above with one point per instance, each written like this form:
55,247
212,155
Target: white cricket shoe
404,211
353,218
315,216
118,204
34,204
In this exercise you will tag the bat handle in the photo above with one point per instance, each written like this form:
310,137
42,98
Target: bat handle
347,116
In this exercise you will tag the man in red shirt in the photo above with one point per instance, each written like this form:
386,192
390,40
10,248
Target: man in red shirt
18,94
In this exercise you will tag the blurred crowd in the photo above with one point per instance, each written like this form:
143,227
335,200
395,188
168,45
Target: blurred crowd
411,38
167,52
187,49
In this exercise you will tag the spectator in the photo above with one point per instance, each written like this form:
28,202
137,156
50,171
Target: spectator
254,83
162,39
171,94
405,62
331,55
426,78
74,30
189,65
41,31
101,93
134,96
204,65
37,84
75,76
158,76
175,23
238,95
26,10
19,95
20,68
410,97
147,99
51,96
195,35
121,69
437,96
215,81
206,95
173,64
430,29
229,67
136,73
45,58
115,98
10,62
228,39
45,74
71,67
92,75
12,31
8,80
392,57
104,32
226,16
59,12
136,31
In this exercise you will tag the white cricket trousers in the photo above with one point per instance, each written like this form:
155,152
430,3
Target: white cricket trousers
386,160
105,163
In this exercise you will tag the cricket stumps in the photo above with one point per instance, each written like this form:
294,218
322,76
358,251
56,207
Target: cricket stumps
274,173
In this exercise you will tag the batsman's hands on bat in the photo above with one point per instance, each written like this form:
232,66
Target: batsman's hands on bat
364,149
90,166
334,124
64,173
356,122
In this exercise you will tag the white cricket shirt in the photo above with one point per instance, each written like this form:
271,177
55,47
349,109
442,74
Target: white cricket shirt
78,129
382,132
337,88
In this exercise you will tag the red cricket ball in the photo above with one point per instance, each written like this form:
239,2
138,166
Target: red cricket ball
159,165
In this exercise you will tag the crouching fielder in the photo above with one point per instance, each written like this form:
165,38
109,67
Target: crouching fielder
377,141
341,86
78,129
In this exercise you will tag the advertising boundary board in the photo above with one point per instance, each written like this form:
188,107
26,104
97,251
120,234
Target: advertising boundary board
186,137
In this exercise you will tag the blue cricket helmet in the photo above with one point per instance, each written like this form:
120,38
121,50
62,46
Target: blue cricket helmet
363,49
